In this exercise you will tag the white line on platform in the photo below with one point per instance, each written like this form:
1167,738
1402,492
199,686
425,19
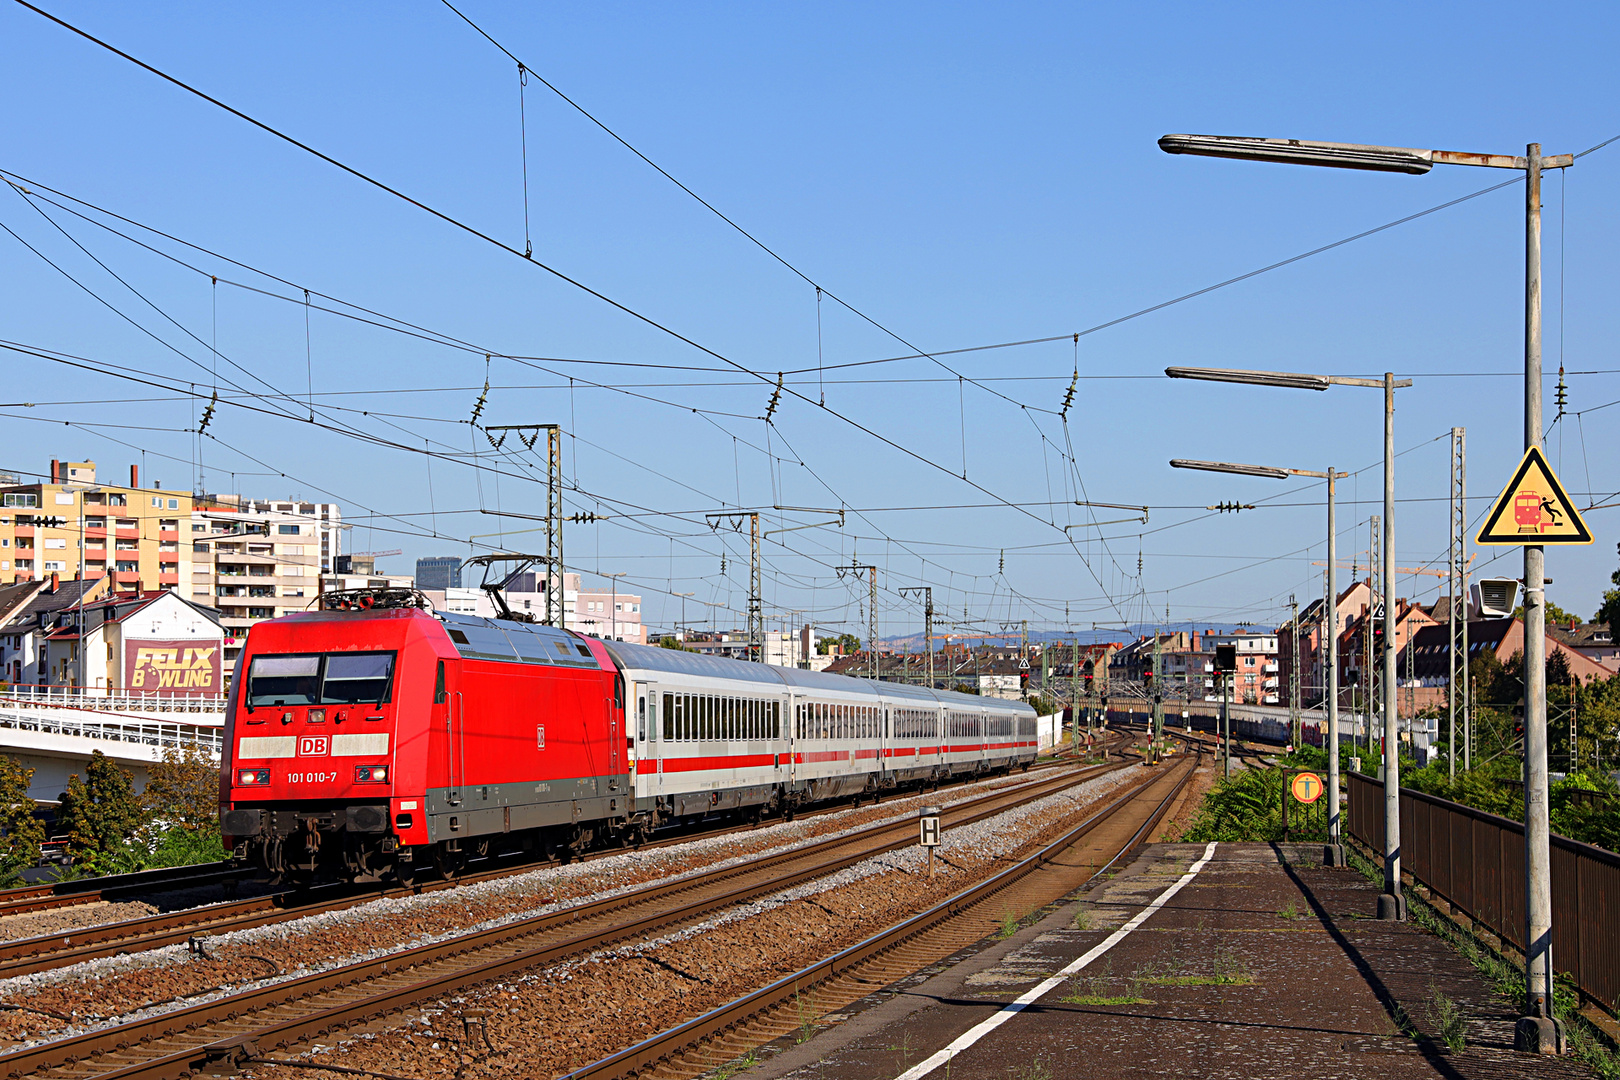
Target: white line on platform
1040,990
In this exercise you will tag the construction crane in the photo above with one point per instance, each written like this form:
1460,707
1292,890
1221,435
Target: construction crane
1401,569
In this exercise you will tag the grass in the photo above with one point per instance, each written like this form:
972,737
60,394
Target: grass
735,1066
1290,910
1095,990
1035,1070
904,1050
1008,927
1082,919
807,1020
1229,969
1447,1020
1587,1044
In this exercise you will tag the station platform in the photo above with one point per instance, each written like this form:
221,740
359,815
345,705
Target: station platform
1223,960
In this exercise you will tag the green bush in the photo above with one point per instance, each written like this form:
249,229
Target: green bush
1247,807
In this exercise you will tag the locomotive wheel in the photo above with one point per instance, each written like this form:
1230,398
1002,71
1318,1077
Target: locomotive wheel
450,864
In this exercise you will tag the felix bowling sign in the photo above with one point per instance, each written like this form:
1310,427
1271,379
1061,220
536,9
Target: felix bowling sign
173,667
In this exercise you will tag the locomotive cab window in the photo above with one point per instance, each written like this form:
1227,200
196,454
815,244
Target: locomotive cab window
352,678
311,679
283,680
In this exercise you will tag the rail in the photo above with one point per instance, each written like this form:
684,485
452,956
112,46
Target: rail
1475,862
117,699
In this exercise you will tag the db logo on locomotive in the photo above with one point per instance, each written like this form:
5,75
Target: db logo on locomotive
314,745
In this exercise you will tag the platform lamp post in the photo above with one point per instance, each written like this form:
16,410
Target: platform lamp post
1537,1031
1391,902
1333,854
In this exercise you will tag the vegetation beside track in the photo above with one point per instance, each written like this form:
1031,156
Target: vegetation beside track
109,828
1248,806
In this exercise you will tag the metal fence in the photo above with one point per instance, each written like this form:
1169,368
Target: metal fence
143,732
1475,861
23,695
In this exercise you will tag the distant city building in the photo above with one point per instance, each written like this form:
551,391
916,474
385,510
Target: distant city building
438,572
599,612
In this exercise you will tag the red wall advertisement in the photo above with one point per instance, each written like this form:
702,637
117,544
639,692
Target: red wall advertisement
173,667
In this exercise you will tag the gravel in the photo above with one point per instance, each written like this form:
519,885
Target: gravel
103,992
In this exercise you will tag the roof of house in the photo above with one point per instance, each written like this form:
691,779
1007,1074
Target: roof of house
1582,635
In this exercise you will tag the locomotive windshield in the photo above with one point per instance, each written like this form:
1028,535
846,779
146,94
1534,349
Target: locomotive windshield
355,677
331,679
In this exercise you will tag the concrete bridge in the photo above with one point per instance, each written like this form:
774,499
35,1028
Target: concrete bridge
54,732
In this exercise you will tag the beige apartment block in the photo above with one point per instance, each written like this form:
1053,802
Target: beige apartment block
70,525
254,560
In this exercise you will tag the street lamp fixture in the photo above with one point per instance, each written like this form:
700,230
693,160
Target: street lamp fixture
1241,470
1401,159
1537,1031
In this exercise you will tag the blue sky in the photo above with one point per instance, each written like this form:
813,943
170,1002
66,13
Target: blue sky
962,174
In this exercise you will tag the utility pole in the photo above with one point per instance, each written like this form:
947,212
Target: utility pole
927,594
1369,661
871,610
1074,689
1538,1030
680,632
555,614
1296,727
756,604
1158,694
756,616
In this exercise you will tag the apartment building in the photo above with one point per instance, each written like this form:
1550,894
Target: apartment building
71,525
1257,681
254,560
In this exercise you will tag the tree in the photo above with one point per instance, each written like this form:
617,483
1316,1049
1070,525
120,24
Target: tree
182,790
668,641
100,813
849,644
1610,611
22,830
1556,616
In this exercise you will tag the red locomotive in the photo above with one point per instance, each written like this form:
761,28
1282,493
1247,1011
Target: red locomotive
365,742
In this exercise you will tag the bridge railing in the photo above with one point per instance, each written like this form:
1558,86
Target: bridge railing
1475,861
159,734
116,699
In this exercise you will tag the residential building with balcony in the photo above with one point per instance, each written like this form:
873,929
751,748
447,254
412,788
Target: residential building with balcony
1257,680
254,560
70,525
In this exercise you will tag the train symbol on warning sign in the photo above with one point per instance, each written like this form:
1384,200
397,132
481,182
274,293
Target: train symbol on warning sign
1534,509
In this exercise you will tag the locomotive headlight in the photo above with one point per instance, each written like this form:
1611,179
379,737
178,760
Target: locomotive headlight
253,777
317,716
371,774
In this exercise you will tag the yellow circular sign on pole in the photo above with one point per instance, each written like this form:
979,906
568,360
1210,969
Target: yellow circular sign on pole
1307,787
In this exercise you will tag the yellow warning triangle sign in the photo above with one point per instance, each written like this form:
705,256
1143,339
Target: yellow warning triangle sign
1533,509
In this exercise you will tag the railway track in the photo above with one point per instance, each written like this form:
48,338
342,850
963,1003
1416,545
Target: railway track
44,952
785,1007
240,1025
59,894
